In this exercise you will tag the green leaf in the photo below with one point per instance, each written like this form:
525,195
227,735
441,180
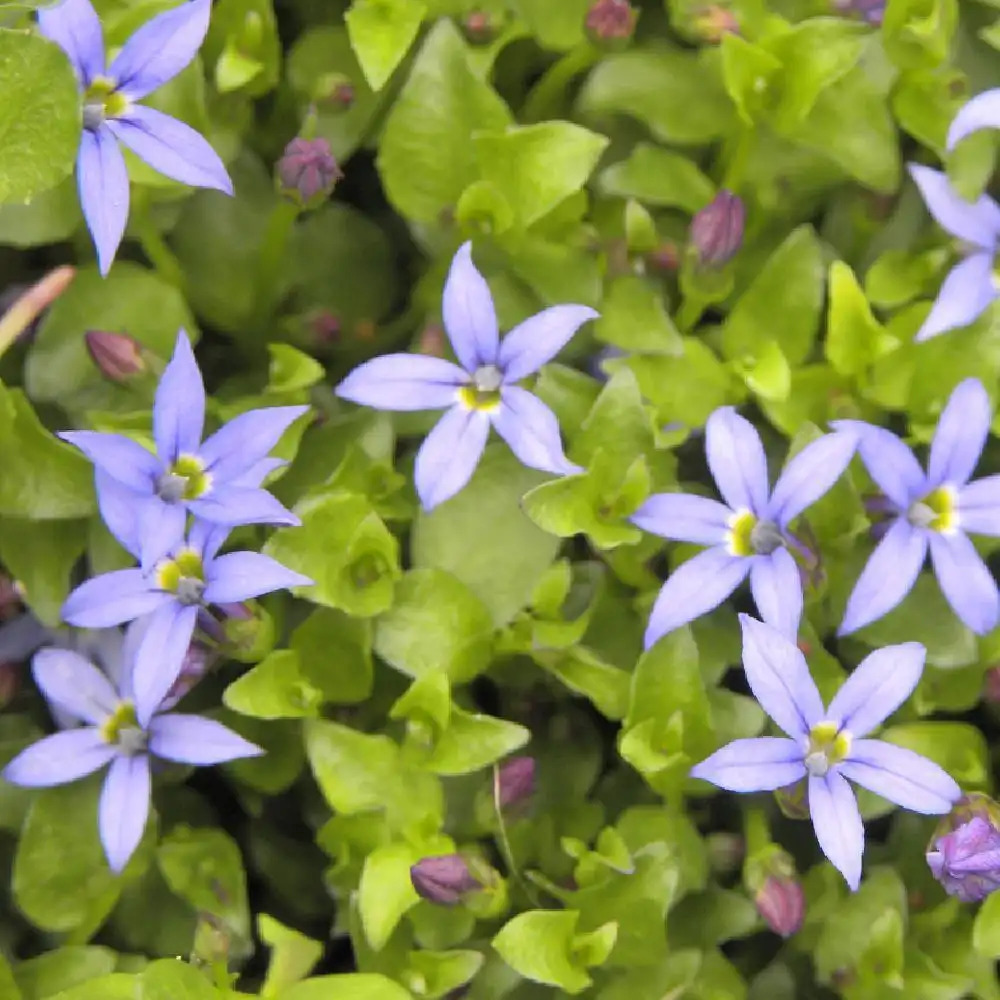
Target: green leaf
958,747
435,623
172,979
425,157
472,742
854,338
381,33
633,317
539,945
583,671
274,689
293,955
438,973
335,655
752,75
291,369
386,892
555,25
918,34
117,986
40,117
986,928
356,986
61,969
243,43
657,176
8,987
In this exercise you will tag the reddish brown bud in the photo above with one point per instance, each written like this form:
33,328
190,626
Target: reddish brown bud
118,356
717,230
443,879
665,258
432,341
611,21
781,902
714,21
307,171
479,27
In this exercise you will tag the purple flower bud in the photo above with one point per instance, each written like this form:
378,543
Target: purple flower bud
517,781
717,230
443,879
307,171
118,356
479,27
781,902
611,21
196,663
966,858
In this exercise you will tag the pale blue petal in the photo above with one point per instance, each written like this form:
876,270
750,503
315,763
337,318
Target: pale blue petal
59,759
207,538
120,457
238,576
190,739
259,471
755,765
179,407
810,474
539,339
776,586
901,776
979,506
73,25
21,636
469,317
161,530
172,147
837,823
72,683
965,581
889,462
693,589
888,576
404,382
965,295
531,430
736,460
236,447
160,49
102,181
684,518
160,655
124,808
982,111
960,435
112,599
449,455
119,509
975,222
881,683
234,505
779,678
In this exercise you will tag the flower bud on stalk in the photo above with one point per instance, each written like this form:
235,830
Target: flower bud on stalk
964,854
516,782
308,172
771,877
443,879
611,23
716,232
117,356
479,27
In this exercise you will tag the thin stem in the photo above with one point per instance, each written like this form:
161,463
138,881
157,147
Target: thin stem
504,843
155,247
756,831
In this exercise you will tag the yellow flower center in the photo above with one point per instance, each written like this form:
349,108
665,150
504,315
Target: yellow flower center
186,479
184,575
484,392
122,729
937,511
828,745
102,101
749,536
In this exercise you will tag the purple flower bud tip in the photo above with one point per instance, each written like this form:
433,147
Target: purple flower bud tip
781,903
966,861
443,879
611,20
717,230
194,666
117,355
307,170
517,781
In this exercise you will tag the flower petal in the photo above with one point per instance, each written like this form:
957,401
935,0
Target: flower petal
777,591
118,456
531,430
469,317
449,455
235,505
960,435
236,447
112,599
755,765
179,407
901,776
810,474
539,339
159,656
966,581
889,462
161,530
172,147
837,823
74,26
102,181
124,808
403,382
74,684
119,510
684,518
982,111
888,576
160,49
238,576
882,682
190,739
975,222
59,759
965,294
693,589
21,636
979,506
207,538
736,459
779,678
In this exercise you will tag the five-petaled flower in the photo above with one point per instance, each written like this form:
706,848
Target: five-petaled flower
173,594
156,53
480,391
112,734
931,510
827,746
750,535
145,498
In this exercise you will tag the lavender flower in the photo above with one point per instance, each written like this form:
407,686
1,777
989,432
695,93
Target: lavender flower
478,392
748,534
172,594
969,288
145,498
981,111
931,510
113,735
826,746
156,53
966,859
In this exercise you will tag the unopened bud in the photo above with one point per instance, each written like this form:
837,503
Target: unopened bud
443,879
781,902
479,27
714,21
307,171
964,855
335,91
665,258
717,230
611,22
516,782
431,341
118,356
196,663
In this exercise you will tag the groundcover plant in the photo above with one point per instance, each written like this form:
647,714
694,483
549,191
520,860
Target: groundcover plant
499,499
